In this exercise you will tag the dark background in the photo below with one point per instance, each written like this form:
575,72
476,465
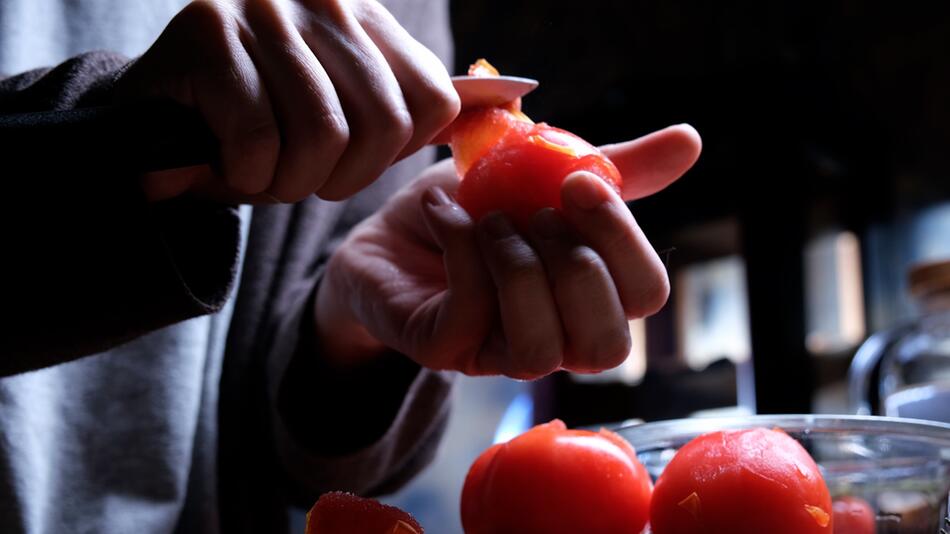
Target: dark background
812,114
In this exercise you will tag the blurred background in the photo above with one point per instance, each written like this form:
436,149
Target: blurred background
825,176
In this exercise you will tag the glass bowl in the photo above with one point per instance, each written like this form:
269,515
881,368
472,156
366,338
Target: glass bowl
900,466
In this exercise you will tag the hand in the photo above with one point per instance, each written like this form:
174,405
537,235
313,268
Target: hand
304,96
421,277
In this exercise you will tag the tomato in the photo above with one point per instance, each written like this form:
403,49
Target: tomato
741,482
345,513
551,480
853,515
510,164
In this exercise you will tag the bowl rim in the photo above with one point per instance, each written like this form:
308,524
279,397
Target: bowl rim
665,434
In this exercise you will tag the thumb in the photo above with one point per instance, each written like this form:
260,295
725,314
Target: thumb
652,162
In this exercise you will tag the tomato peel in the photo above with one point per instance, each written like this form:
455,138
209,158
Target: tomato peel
691,504
821,517
482,68
475,132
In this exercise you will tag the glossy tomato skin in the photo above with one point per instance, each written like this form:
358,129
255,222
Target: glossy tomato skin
523,171
345,513
741,482
551,480
853,515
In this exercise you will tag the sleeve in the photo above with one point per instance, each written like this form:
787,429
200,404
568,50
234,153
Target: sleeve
367,430
89,264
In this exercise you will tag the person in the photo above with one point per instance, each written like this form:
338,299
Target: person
176,363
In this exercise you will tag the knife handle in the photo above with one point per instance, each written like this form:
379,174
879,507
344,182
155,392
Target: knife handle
140,137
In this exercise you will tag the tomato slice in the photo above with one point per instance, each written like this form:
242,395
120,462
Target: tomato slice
345,513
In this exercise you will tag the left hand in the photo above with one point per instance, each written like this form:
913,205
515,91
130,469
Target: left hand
421,277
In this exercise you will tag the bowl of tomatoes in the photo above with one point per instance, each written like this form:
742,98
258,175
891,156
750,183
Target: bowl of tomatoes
882,475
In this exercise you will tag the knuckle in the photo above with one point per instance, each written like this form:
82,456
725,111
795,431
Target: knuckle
518,273
442,105
202,15
336,11
331,133
395,126
208,30
583,267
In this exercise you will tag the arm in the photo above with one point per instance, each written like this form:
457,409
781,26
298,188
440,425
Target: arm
89,263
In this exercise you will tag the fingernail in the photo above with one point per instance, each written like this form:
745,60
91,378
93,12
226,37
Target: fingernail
435,196
547,224
585,191
497,225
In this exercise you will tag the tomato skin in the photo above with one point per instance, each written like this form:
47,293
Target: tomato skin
522,172
853,515
741,482
551,480
344,513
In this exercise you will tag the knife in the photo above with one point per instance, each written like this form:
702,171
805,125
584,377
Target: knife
160,135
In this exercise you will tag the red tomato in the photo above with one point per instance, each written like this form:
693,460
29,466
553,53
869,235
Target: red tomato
551,480
345,513
741,482
853,515
523,172
509,164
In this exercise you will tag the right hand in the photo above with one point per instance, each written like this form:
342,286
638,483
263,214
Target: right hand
304,96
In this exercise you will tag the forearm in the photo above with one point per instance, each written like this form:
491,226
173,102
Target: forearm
90,263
